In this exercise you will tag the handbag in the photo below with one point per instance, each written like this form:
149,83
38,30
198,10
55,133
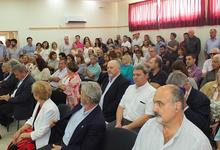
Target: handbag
24,144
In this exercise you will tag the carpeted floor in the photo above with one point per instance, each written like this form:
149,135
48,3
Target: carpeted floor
7,136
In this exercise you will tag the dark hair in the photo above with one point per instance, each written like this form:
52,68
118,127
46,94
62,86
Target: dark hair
71,56
81,57
48,45
14,40
72,67
77,36
29,38
41,64
173,34
192,55
185,33
84,40
51,54
180,65
111,41
99,44
162,46
62,54
39,44
139,51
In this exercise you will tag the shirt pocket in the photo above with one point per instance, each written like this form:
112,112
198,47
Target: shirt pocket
140,108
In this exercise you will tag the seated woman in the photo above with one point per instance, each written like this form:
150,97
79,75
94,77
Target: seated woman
68,86
45,111
53,62
127,68
81,65
41,71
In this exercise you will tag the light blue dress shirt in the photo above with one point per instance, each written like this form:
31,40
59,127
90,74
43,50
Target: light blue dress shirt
74,121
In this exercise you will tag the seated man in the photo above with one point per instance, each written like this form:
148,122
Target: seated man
8,84
59,74
136,105
196,104
84,127
113,88
157,77
193,70
21,102
93,70
170,129
210,75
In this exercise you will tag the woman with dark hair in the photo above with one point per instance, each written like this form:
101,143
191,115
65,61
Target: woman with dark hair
87,39
41,71
98,43
53,62
110,42
70,58
81,64
54,47
46,51
70,85
38,49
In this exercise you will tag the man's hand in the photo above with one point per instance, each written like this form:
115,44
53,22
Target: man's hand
53,123
118,125
56,147
5,97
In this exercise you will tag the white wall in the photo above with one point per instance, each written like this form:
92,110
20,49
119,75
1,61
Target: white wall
21,15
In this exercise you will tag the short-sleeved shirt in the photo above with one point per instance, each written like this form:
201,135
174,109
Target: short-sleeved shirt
159,78
3,52
137,101
29,50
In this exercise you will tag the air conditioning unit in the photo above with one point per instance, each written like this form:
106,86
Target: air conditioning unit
74,19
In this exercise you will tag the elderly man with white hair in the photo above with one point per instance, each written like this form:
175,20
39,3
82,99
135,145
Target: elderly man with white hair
84,127
207,66
211,75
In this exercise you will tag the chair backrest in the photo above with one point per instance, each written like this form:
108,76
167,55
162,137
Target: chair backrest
63,109
119,139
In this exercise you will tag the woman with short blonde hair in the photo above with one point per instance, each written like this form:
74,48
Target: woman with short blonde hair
44,111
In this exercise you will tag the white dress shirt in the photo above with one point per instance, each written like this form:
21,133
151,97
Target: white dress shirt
74,121
106,89
126,44
188,137
137,101
20,82
60,74
207,66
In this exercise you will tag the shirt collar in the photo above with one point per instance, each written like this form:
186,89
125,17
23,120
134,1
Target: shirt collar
113,79
89,111
142,87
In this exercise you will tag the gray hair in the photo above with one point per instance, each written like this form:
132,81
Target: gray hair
177,78
176,93
20,68
12,63
92,90
141,67
217,56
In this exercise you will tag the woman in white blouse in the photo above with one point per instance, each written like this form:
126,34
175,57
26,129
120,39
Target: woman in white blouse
41,71
45,111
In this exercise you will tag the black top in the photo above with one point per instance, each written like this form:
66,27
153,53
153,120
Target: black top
159,78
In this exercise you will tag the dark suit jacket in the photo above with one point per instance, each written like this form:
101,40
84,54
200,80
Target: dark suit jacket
88,135
199,110
23,102
113,96
210,76
8,85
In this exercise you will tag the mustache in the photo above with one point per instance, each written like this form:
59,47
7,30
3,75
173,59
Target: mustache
156,114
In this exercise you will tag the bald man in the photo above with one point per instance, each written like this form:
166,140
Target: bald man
113,88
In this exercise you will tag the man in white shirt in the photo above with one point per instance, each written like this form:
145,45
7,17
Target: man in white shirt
136,105
59,74
137,40
170,129
125,42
